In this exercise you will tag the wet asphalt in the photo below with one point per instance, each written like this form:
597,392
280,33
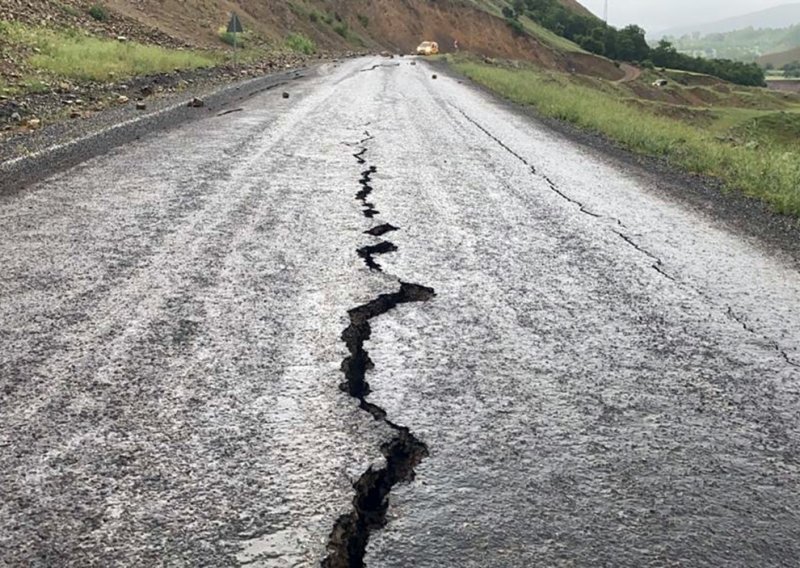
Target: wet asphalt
598,373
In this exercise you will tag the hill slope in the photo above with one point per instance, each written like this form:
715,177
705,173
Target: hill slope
744,45
333,25
778,17
780,59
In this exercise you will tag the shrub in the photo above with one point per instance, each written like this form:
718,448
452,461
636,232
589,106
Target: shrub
301,44
363,20
242,39
516,26
98,13
342,29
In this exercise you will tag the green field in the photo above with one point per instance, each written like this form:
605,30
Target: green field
751,150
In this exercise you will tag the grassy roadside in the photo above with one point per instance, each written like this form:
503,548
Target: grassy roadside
769,170
43,58
71,55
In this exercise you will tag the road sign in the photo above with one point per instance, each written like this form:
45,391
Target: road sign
235,26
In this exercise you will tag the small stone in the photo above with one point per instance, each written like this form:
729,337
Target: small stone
16,117
122,99
434,77
76,114
141,106
286,95
196,103
33,123
146,91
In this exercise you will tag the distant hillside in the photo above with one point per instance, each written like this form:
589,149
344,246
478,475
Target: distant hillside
778,17
745,45
778,60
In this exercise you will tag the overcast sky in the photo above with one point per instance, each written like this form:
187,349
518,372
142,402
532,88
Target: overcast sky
655,15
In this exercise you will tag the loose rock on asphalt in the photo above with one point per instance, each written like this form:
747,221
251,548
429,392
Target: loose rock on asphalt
605,375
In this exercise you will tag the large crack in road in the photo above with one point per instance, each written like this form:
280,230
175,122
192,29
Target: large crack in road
206,343
347,544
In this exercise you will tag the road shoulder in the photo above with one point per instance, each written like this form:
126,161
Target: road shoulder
746,216
62,146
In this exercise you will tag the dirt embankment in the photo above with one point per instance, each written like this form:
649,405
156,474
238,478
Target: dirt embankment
335,26
402,24
74,14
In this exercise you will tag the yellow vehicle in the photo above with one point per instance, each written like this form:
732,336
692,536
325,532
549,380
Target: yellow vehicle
428,48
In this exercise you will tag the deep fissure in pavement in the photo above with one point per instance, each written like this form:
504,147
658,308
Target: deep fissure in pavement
348,540
366,189
380,65
381,230
347,544
368,252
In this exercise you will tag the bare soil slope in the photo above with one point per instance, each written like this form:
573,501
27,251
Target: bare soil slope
334,25
780,59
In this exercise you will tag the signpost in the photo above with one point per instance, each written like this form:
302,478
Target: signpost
234,28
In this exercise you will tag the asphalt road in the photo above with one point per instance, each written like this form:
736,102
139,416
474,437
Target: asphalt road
566,364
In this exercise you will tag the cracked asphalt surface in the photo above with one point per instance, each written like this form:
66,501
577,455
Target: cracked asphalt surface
605,376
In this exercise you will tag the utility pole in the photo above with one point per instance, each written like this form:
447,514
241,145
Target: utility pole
605,13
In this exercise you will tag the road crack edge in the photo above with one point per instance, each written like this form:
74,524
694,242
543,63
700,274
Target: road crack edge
347,543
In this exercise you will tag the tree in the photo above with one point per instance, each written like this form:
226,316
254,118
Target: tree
631,44
664,55
589,43
791,69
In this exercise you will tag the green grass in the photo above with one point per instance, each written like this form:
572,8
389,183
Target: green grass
780,128
94,59
549,38
72,55
495,7
241,40
301,44
769,170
